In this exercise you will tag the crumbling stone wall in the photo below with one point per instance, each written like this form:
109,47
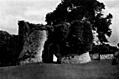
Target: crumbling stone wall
33,47
33,40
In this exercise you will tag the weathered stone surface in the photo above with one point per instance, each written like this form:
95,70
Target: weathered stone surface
32,38
76,59
95,56
106,56
33,47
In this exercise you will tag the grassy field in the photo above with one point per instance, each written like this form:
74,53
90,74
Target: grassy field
94,70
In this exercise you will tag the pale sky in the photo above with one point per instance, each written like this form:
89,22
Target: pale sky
35,10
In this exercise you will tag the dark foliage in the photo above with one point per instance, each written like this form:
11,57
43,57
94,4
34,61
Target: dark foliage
81,14
70,10
104,49
8,49
56,43
102,24
68,38
118,44
80,38
84,16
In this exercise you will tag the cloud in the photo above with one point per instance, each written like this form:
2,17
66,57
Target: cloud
37,15
112,3
33,11
115,22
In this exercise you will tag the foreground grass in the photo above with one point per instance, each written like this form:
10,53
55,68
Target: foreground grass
94,70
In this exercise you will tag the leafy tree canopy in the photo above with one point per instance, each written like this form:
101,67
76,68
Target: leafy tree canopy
71,10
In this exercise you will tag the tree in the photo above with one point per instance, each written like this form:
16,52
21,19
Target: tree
84,16
102,24
70,10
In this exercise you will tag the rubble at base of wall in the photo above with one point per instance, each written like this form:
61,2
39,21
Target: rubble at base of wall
76,59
